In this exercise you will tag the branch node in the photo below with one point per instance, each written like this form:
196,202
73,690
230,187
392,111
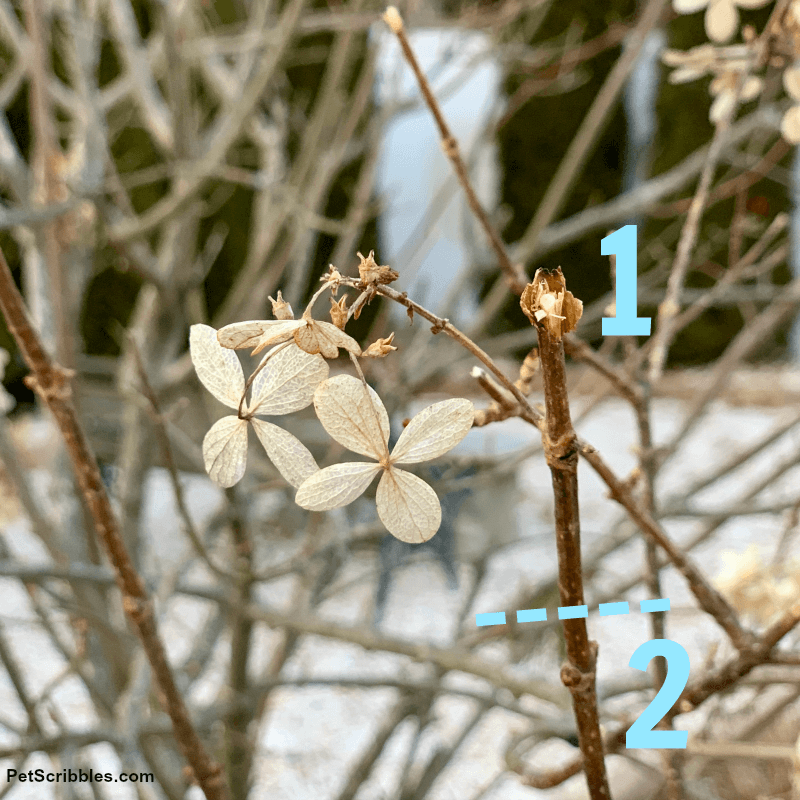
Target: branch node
55,386
450,147
137,609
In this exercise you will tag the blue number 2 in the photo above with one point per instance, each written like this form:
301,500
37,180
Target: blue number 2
641,733
622,244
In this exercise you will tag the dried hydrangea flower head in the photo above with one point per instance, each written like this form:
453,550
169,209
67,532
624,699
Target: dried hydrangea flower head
691,64
354,416
546,301
722,16
757,590
285,384
309,334
730,67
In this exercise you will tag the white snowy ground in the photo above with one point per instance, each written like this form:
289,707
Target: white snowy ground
313,735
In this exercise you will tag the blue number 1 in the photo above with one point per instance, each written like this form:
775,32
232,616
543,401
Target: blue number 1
641,733
622,244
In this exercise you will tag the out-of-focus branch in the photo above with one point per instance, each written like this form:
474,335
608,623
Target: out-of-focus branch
51,382
514,273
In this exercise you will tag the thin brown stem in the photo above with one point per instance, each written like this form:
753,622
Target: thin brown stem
561,452
514,273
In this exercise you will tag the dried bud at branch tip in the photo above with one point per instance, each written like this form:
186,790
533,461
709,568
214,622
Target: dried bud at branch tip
280,308
372,274
339,312
546,302
333,277
393,19
380,348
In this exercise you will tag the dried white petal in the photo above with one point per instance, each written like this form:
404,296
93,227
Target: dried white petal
721,20
683,75
722,106
257,333
751,89
407,506
219,369
287,382
325,338
434,431
289,455
688,6
791,81
751,3
225,450
336,486
348,416
790,126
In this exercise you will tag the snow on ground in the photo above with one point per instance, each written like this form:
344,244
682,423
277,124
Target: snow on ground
314,734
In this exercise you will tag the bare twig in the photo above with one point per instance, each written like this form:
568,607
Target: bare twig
514,273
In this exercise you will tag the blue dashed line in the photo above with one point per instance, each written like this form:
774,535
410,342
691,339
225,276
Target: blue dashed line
648,606
611,609
492,618
572,612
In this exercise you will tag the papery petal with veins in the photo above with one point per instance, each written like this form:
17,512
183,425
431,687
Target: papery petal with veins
225,450
434,431
357,419
721,20
258,333
346,414
289,455
287,383
336,486
219,369
324,337
407,506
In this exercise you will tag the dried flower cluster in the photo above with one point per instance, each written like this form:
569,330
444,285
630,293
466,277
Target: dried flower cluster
733,67
292,374
721,16
758,590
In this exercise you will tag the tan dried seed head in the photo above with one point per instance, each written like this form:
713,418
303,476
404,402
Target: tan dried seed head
339,312
380,347
280,308
373,274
